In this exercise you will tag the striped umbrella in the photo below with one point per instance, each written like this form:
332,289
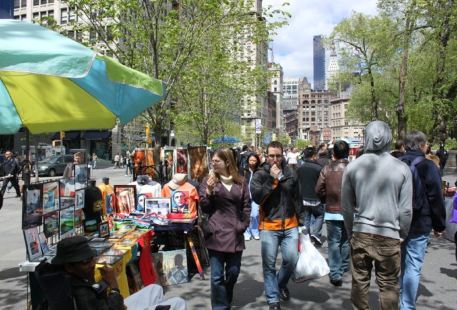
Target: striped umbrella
49,83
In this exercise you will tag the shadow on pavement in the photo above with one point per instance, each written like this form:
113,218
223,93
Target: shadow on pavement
16,292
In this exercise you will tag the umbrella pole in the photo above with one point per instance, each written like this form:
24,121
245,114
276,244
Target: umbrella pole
26,169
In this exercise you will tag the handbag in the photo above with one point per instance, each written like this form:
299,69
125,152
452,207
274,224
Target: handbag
311,264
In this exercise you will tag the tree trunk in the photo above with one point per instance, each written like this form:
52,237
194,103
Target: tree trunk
374,102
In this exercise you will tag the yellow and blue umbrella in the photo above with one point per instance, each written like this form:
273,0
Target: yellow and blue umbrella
51,83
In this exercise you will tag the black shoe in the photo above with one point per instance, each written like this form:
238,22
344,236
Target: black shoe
336,282
275,306
18,196
284,294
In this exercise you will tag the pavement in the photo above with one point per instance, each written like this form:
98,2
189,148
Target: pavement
438,288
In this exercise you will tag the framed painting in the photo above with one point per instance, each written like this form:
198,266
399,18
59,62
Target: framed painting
32,206
50,196
157,207
125,198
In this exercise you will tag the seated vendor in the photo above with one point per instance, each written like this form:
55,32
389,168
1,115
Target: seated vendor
77,263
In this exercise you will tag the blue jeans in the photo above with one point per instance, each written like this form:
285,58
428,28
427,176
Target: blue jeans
314,219
412,259
222,283
287,240
253,229
338,249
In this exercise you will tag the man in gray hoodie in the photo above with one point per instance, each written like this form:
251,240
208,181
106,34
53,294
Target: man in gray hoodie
376,197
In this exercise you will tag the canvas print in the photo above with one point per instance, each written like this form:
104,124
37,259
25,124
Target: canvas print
78,218
79,199
158,207
66,222
51,224
67,187
181,161
50,196
169,163
43,243
32,206
198,158
180,202
67,202
125,198
32,243
81,176
103,230
171,267
109,203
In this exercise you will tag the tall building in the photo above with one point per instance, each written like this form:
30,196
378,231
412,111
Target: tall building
254,105
342,127
291,87
276,88
318,63
313,116
332,69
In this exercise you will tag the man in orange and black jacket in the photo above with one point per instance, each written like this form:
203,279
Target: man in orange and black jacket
274,187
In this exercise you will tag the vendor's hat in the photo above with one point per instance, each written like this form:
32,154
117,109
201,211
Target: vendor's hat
73,250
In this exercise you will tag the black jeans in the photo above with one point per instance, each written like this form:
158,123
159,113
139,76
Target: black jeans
14,181
222,283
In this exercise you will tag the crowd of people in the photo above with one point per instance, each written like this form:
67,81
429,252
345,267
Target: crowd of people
379,210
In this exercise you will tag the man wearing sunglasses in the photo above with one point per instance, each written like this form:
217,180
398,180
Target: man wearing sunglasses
274,187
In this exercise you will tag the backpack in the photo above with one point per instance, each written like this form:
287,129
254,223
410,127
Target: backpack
419,197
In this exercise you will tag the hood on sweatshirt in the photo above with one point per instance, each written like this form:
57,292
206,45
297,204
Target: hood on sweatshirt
378,137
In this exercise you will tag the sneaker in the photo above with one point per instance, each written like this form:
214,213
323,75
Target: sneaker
275,306
247,238
336,282
316,240
284,294
256,237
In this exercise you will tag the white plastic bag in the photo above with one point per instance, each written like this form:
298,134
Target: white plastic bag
311,264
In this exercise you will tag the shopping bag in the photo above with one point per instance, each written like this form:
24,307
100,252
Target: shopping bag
311,264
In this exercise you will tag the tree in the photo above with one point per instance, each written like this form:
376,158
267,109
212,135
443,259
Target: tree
362,44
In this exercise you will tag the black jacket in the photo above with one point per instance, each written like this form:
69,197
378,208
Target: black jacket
307,175
432,213
278,202
11,166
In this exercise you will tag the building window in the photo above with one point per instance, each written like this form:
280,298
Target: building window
17,4
36,16
36,2
44,1
275,89
64,16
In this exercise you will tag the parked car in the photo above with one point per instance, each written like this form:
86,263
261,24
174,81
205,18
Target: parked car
54,165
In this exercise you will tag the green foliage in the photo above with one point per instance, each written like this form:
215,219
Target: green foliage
301,144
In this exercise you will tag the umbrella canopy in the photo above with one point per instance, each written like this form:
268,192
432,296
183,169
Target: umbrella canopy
226,139
51,83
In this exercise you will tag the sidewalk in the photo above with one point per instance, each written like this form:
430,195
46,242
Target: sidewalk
437,289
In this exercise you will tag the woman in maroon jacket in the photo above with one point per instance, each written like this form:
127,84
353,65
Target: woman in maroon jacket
224,196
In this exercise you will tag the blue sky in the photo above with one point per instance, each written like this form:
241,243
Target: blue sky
293,45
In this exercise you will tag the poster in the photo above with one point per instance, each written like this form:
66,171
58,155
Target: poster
180,202
32,243
125,198
171,267
198,158
157,207
79,199
66,222
32,206
181,161
50,197
81,176
51,224
67,202
169,163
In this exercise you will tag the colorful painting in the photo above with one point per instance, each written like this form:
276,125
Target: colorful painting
67,202
66,222
181,161
180,202
51,224
81,176
32,206
125,198
78,219
198,158
50,197
171,267
32,242
67,188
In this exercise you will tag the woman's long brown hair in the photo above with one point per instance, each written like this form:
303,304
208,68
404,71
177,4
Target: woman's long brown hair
227,156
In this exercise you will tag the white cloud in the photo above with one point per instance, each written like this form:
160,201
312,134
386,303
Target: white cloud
293,45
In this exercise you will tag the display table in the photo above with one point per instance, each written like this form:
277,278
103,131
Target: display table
451,228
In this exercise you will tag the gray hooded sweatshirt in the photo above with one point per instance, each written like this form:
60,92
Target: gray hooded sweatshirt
377,189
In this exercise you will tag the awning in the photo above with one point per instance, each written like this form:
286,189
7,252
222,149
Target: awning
96,135
69,135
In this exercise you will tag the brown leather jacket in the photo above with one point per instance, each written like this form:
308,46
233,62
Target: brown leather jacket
328,186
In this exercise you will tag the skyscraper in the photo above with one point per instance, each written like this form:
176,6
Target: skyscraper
319,63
